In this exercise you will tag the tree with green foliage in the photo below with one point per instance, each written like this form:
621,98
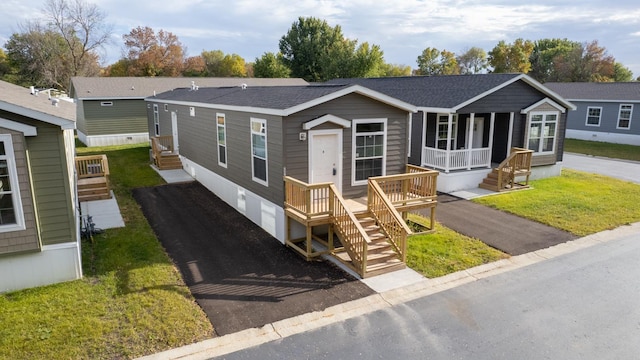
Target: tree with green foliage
219,64
435,62
315,51
390,70
472,61
511,58
270,65
544,54
621,73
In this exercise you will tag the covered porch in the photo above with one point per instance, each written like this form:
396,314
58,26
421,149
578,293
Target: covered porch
465,141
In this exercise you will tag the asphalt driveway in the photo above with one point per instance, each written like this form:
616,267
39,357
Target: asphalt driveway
240,275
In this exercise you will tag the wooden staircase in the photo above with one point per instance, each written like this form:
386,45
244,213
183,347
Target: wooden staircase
93,178
505,177
165,157
381,256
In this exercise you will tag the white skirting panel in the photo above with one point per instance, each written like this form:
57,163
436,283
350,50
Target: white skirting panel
54,264
615,138
461,180
264,213
117,139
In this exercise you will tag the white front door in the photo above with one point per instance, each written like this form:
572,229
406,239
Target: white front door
174,130
325,157
478,132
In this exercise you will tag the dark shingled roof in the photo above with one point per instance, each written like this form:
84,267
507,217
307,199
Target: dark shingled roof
442,91
610,91
267,97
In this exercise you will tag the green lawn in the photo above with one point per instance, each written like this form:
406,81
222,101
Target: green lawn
595,148
131,302
577,202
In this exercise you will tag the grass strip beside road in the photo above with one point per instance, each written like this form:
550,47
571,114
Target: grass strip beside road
596,148
578,202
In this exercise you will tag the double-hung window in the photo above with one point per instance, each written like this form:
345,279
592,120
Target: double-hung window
222,139
593,116
624,116
11,217
543,128
443,131
156,120
259,151
370,142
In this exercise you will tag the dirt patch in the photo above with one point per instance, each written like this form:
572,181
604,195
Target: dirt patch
240,275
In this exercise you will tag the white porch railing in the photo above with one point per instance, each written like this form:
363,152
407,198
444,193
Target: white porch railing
458,159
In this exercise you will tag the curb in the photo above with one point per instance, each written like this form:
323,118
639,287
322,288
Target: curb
280,329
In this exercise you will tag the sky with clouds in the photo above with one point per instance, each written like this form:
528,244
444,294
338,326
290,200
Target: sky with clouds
402,28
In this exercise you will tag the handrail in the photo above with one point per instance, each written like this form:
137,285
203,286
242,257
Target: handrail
356,240
388,218
518,160
308,199
92,166
417,186
161,143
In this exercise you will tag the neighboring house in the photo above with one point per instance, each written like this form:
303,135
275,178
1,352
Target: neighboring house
39,232
466,124
607,112
111,110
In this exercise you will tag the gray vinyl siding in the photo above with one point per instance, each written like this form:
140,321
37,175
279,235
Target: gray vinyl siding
577,120
349,107
198,142
125,116
80,121
23,240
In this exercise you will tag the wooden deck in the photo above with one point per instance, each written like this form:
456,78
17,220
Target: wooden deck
93,177
371,240
509,174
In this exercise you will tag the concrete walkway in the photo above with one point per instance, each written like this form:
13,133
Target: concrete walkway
620,169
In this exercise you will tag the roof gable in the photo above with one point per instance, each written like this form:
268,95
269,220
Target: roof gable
19,100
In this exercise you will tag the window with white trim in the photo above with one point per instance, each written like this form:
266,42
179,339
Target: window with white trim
259,151
624,116
543,128
593,116
156,120
369,147
222,139
11,216
443,133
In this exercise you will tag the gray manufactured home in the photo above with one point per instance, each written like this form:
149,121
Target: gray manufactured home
111,110
240,141
39,232
467,124
605,112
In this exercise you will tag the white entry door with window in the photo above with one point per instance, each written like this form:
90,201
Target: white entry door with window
325,157
174,131
478,132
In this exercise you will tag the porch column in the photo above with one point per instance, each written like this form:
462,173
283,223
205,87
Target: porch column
491,130
472,121
447,160
510,137
424,138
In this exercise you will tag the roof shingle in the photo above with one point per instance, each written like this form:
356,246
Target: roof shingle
611,91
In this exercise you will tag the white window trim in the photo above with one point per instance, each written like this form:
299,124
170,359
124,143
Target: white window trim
354,134
224,132
15,188
630,117
544,118
156,120
266,151
586,120
454,129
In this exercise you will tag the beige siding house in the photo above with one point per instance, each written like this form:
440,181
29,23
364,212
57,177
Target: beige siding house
111,110
39,232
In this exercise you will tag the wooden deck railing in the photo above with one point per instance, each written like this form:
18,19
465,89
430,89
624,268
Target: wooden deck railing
414,189
162,143
348,227
311,200
518,163
388,218
92,166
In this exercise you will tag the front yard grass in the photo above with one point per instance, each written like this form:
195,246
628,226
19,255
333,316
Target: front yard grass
596,148
132,301
578,202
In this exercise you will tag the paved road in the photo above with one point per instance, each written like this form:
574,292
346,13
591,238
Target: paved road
621,169
582,305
